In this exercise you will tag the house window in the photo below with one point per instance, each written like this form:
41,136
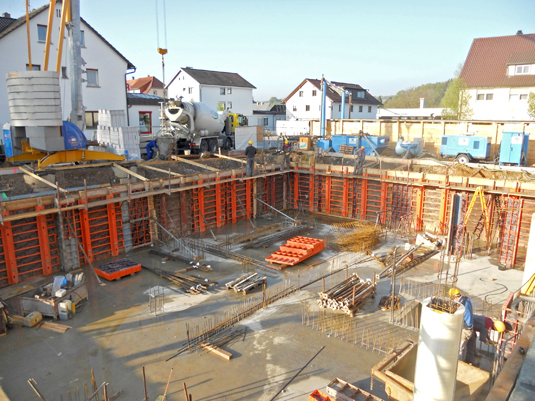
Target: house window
82,38
229,91
155,93
360,109
480,96
145,122
360,94
314,93
92,77
221,105
265,121
190,90
221,91
294,108
91,119
307,108
489,96
35,67
369,109
229,105
351,108
64,73
522,69
58,13
339,107
41,33
524,97
300,93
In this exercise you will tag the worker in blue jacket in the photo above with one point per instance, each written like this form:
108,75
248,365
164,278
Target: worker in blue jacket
150,149
467,349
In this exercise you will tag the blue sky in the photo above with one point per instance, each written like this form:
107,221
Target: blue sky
385,46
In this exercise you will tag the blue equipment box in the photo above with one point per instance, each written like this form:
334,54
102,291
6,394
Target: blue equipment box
514,148
475,147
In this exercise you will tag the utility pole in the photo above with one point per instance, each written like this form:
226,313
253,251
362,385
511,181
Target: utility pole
76,63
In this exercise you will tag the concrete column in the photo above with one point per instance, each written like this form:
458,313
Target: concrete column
438,350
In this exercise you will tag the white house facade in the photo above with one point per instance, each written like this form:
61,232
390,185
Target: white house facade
304,103
104,86
499,73
213,88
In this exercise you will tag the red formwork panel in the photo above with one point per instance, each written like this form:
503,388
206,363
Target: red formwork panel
296,250
116,270
319,396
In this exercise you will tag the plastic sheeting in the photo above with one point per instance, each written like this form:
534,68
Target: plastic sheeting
438,350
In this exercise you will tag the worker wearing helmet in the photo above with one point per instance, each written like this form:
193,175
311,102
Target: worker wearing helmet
250,153
483,325
359,162
467,347
286,150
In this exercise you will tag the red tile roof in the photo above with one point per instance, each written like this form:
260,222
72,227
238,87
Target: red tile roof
144,85
487,61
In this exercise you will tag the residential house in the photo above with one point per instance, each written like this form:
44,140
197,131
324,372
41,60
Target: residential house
216,89
144,111
499,73
266,115
304,103
105,68
147,85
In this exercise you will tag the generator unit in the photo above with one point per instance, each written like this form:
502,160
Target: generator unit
380,143
514,148
465,148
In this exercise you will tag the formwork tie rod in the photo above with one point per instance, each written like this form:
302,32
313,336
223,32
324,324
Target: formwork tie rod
278,211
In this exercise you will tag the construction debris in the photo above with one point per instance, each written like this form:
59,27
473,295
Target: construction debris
296,250
58,328
193,285
356,236
347,296
386,302
409,260
246,283
214,349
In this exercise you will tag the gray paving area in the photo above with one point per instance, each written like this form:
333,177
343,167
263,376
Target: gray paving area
115,334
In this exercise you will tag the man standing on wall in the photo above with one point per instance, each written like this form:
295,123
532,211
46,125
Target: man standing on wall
359,162
286,150
250,153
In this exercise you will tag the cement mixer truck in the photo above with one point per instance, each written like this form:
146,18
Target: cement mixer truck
195,127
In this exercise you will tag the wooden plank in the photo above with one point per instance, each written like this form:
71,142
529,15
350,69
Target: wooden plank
173,157
50,184
160,170
214,349
140,177
59,328
230,158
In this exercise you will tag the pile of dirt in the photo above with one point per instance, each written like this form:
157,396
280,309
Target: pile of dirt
13,185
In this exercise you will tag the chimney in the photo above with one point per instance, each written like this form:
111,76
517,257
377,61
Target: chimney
519,32
422,102
6,15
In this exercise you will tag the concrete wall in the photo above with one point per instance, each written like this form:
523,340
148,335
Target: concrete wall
111,91
430,130
505,104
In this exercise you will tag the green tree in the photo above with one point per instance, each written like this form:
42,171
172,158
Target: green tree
456,101
410,98
531,105
273,100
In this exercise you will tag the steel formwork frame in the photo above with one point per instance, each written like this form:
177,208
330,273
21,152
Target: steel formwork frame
139,216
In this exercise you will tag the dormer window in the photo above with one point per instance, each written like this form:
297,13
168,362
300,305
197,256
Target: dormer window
522,69
360,94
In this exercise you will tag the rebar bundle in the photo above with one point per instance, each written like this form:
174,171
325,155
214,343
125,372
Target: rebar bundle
347,296
193,285
281,235
246,283
356,236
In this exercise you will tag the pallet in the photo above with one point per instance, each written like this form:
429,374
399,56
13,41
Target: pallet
130,268
58,328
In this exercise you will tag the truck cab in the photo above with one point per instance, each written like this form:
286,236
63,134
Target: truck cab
237,120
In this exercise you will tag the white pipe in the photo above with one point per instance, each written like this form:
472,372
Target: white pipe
438,350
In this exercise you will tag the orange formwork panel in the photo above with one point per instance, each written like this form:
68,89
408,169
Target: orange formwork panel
296,250
319,396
